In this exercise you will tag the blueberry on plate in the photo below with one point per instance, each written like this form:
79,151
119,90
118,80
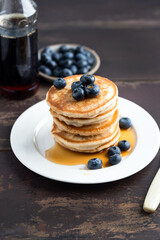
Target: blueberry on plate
94,163
65,72
124,145
68,55
74,69
59,83
83,70
52,64
76,84
63,49
78,94
114,150
56,56
92,90
82,63
45,70
56,72
115,159
125,123
80,56
87,79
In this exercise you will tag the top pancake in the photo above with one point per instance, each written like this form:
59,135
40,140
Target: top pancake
62,102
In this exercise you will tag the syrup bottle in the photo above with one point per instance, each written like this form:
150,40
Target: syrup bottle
18,48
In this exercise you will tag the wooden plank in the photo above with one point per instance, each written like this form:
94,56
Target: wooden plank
33,207
125,34
86,10
126,54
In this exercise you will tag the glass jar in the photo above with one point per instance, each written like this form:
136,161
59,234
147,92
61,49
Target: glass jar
18,48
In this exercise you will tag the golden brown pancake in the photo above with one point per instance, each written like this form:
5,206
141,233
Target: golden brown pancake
79,122
90,148
89,125
62,102
90,129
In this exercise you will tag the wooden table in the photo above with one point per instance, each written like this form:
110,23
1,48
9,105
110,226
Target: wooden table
126,34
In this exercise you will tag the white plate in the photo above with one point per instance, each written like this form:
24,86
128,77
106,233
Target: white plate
31,136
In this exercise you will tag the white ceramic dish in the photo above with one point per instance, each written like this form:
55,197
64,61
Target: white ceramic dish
55,47
30,147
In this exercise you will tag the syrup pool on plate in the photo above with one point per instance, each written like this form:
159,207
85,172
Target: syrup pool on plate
60,155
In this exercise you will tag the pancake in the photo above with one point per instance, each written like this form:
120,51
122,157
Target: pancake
90,129
88,149
62,102
84,142
89,125
79,122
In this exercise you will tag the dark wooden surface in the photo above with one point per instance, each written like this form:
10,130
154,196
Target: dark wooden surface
126,35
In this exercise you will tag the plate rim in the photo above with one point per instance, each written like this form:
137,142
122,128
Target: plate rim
95,172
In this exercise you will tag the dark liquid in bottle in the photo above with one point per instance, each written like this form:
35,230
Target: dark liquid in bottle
18,65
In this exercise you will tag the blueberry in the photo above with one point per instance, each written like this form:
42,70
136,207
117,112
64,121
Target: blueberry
47,51
114,150
56,72
45,58
74,69
80,49
82,63
66,63
80,56
56,56
76,84
83,70
59,83
61,62
52,64
68,55
94,163
65,72
89,67
90,61
78,94
63,49
115,159
71,50
88,54
45,70
125,123
124,145
92,90
87,79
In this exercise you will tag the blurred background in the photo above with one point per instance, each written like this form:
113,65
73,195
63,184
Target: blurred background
124,33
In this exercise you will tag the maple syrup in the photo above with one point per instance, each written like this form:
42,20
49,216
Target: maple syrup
60,155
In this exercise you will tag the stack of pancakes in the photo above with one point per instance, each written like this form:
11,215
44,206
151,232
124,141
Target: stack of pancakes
90,125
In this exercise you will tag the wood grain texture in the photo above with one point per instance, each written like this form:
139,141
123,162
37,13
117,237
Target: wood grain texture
33,207
126,36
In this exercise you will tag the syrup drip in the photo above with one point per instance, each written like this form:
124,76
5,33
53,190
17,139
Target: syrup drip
60,155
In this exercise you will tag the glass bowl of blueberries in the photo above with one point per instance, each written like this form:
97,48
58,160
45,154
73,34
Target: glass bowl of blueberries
62,60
